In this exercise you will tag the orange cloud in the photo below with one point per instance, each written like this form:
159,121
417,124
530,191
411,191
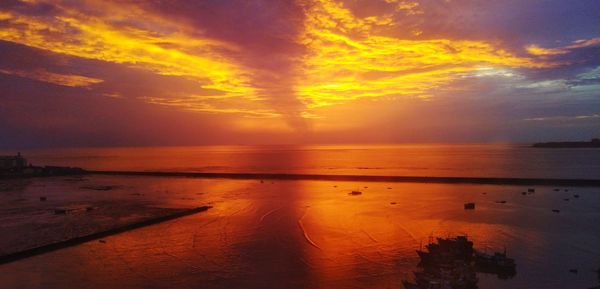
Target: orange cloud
347,61
540,51
343,59
168,53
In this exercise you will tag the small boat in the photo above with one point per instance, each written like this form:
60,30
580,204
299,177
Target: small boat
497,263
60,211
469,206
445,264
556,211
99,188
355,193
576,196
497,259
501,202
530,190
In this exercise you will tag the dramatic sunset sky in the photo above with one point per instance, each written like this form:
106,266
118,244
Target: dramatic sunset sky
173,72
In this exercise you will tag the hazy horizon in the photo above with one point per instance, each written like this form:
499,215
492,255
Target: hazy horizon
332,144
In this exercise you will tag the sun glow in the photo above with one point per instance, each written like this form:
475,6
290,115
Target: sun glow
344,57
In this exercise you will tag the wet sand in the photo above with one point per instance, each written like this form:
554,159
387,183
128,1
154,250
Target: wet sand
312,234
46,244
39,215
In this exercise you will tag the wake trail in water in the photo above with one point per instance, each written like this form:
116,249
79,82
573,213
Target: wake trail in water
262,218
306,236
410,234
370,237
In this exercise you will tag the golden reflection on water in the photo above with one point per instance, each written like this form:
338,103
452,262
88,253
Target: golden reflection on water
313,234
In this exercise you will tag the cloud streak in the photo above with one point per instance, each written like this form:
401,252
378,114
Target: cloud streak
583,43
55,78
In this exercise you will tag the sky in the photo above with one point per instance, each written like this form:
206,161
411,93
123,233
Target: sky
173,72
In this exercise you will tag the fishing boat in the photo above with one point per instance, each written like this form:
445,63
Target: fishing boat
445,264
497,263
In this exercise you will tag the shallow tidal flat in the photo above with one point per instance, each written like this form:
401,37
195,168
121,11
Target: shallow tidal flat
295,234
38,212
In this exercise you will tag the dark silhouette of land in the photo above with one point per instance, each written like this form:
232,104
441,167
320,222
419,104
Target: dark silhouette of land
594,143
16,166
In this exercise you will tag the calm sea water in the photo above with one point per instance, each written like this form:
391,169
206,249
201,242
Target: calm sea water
301,234
469,160
305,234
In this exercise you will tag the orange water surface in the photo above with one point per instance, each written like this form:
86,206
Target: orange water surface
313,234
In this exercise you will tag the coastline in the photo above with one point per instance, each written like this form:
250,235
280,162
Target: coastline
364,178
18,255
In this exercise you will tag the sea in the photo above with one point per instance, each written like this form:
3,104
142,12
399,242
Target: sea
438,160
309,233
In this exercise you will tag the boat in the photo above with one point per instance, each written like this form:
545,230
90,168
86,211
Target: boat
497,263
469,206
498,259
355,193
447,250
445,263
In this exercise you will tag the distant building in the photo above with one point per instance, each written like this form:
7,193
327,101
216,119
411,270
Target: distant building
12,162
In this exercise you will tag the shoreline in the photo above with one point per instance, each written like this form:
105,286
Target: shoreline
364,178
15,256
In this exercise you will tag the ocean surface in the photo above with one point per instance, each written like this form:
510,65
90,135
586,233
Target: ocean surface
302,234
462,160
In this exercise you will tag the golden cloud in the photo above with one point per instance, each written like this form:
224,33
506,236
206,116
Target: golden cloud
540,51
347,61
174,53
345,58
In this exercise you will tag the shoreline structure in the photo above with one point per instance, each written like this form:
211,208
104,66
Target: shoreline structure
15,256
363,178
